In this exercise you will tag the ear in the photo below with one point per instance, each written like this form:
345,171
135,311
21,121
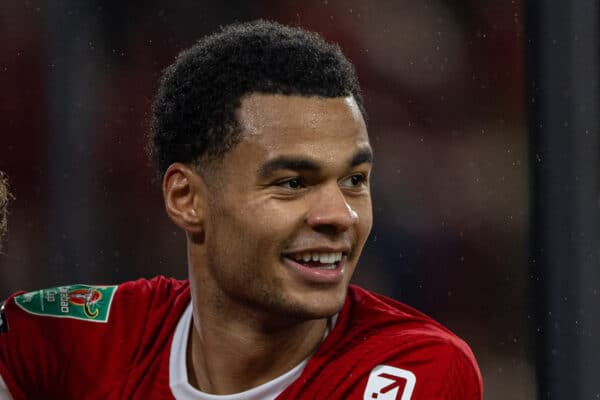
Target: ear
185,197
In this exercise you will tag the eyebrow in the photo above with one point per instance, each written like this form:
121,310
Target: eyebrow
364,155
292,163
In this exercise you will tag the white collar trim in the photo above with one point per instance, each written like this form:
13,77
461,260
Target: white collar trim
178,377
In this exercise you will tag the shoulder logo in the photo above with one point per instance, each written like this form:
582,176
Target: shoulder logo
390,383
85,302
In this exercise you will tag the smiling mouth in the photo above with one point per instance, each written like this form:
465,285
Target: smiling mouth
318,260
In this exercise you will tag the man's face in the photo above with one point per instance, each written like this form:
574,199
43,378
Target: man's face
291,210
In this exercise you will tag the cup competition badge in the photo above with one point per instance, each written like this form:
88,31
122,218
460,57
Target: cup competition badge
84,302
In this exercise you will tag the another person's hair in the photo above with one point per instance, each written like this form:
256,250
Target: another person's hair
193,115
4,196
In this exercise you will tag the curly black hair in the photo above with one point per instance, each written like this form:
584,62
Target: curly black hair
193,115
4,197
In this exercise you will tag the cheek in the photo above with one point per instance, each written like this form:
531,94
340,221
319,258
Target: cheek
251,230
243,250
365,215
275,218
367,220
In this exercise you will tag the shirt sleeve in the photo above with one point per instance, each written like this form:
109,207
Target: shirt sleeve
445,370
418,367
464,378
9,389
428,370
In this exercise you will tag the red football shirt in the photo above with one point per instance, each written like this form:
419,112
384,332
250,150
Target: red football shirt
114,342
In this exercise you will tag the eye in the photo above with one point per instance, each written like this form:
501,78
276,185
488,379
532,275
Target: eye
355,180
293,183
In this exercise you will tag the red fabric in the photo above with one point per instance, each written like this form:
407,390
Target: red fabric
128,357
374,330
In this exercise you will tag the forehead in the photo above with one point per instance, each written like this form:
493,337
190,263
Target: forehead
280,121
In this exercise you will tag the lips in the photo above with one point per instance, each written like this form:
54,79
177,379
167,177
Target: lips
317,258
317,266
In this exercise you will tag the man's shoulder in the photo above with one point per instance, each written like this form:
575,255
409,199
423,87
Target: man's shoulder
94,303
378,341
377,315
391,329
159,288
61,335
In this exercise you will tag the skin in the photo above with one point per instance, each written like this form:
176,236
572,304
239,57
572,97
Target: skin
297,181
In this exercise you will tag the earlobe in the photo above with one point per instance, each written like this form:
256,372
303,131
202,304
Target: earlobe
184,195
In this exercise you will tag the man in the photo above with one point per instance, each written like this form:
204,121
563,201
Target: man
259,135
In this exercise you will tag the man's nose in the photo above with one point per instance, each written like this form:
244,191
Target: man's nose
331,212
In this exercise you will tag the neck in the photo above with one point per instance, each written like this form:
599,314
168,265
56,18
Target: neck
234,346
229,356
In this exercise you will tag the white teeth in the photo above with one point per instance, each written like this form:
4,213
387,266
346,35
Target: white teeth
328,266
323,258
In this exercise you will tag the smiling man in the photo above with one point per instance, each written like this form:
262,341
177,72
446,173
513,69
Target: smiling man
259,136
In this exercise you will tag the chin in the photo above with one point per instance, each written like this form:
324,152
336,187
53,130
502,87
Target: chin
320,305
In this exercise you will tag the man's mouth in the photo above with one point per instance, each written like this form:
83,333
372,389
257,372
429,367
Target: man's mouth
320,260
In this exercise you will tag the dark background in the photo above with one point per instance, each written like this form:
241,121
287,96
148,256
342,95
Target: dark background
448,96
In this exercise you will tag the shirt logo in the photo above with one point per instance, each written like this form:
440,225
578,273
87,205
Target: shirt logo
390,383
88,303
